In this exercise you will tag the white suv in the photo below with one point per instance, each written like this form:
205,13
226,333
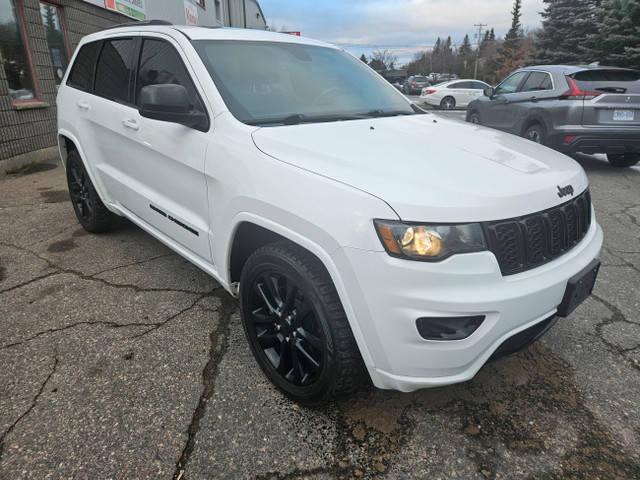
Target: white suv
364,237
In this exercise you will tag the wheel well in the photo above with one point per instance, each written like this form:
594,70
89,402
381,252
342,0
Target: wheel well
67,146
531,124
247,239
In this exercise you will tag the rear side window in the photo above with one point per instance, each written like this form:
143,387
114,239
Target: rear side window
160,63
81,75
608,81
537,81
114,69
419,79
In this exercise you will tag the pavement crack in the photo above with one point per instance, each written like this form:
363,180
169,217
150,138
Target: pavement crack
617,316
29,282
74,325
625,262
158,325
3,437
219,344
92,277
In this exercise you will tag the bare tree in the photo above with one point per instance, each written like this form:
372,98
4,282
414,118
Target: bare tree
384,59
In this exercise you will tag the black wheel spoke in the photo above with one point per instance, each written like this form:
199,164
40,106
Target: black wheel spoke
303,310
283,368
258,316
289,296
268,340
271,282
260,290
76,177
314,341
296,365
312,362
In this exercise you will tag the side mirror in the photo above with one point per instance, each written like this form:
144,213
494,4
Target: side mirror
170,103
488,92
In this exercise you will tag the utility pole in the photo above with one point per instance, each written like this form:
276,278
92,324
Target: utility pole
479,35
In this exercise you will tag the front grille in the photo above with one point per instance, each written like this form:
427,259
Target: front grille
523,243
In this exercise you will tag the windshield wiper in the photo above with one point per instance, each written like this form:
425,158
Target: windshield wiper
298,118
386,113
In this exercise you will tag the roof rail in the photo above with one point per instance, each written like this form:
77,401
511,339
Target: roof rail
139,24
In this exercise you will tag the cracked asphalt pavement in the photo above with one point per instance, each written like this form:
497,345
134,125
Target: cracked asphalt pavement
119,359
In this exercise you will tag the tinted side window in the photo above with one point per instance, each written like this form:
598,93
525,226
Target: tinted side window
537,81
510,85
160,63
456,85
114,69
478,85
81,75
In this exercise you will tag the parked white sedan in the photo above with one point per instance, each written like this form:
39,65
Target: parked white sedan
452,94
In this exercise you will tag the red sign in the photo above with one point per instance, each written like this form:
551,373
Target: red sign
297,34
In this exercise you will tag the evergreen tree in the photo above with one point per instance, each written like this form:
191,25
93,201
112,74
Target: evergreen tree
364,59
618,37
566,26
511,52
465,48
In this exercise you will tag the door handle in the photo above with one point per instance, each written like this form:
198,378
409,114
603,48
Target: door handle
83,105
132,124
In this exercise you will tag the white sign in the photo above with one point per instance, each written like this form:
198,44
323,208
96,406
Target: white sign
190,13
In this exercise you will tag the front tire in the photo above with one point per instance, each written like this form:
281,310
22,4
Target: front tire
91,212
623,160
474,118
296,326
448,103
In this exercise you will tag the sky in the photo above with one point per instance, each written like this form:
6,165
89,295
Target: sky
403,26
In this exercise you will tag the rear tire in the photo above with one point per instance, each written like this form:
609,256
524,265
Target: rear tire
296,327
535,133
91,212
623,160
448,103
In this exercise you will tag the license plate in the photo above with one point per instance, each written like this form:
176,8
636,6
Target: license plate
623,115
579,287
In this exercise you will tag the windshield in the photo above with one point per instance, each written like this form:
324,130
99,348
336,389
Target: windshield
273,83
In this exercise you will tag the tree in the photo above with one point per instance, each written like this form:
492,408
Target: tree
618,37
511,53
465,58
364,59
384,60
566,27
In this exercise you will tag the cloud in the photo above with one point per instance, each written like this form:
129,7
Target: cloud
395,21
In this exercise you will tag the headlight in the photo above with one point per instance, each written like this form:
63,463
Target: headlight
429,243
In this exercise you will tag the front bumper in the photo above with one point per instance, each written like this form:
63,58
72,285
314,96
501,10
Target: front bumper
388,295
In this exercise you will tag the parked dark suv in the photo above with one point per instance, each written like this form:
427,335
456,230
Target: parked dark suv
415,84
588,109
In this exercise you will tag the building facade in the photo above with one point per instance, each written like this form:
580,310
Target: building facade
37,41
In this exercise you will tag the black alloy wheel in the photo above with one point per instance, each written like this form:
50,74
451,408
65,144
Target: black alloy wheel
286,327
79,190
91,212
296,326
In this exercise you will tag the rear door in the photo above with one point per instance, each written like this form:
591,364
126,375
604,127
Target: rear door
612,98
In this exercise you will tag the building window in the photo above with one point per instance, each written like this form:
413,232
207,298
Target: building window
14,54
54,28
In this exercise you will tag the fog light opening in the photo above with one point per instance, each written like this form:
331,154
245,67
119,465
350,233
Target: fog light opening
448,328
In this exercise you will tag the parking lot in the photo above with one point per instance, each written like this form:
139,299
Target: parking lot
119,359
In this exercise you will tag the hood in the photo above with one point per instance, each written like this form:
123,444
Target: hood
430,169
